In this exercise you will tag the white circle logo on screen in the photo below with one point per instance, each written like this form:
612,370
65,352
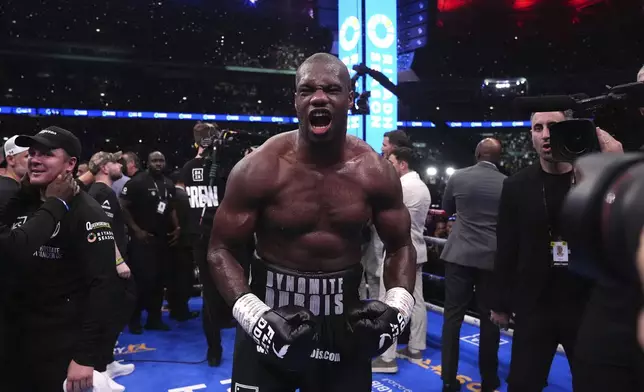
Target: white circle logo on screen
372,26
350,23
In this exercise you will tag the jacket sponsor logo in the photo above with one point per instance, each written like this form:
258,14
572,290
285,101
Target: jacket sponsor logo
124,190
56,230
49,252
21,220
97,225
100,236
197,174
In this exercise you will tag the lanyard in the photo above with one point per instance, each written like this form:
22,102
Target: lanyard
158,192
545,204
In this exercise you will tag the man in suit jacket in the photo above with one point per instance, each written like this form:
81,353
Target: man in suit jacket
473,194
531,269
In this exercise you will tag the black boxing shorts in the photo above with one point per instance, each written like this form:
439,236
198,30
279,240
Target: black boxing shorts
334,364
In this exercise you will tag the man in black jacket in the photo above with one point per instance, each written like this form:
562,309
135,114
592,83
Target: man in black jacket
24,241
65,286
531,267
105,168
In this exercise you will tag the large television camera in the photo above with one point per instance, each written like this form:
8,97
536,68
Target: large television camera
617,111
223,149
604,215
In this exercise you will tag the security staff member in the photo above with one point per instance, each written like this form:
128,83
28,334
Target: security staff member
65,286
531,267
105,168
147,201
204,200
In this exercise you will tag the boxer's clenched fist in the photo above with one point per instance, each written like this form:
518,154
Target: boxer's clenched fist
375,325
286,336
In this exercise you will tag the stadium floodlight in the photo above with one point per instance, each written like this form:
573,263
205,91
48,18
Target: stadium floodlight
432,171
449,171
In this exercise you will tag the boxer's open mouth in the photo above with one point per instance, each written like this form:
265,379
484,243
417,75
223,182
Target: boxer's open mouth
320,120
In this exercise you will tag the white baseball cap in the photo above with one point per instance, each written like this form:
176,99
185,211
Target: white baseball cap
11,149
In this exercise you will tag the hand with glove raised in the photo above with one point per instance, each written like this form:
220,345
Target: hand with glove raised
375,325
286,336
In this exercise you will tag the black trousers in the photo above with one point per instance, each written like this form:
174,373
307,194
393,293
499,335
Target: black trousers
124,302
149,263
180,279
592,376
537,334
460,283
42,347
216,314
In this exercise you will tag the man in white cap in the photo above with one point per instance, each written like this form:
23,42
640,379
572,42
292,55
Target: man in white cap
16,158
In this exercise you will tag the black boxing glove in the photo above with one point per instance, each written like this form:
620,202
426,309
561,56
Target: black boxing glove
285,336
375,325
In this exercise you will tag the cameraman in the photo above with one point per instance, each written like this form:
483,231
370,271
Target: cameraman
607,355
204,199
531,267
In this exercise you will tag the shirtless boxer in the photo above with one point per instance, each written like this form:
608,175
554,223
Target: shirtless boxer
307,194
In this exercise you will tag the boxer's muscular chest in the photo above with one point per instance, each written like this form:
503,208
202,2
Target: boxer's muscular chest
310,201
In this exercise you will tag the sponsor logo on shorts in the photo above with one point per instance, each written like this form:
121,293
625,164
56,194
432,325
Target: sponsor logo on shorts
322,296
325,355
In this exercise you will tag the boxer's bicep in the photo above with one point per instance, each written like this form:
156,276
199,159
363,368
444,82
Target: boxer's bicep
233,228
393,224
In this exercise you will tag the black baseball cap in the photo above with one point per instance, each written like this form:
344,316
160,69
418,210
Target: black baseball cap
53,137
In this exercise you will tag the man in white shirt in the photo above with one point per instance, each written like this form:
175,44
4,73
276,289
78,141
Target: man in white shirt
417,199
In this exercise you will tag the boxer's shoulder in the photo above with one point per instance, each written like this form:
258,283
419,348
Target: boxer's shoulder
373,171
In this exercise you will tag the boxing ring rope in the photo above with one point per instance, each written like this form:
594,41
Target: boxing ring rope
438,309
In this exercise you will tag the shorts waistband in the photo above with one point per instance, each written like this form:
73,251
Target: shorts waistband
259,264
324,293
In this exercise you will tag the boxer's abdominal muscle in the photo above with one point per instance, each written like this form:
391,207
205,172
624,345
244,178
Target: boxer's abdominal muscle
314,221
